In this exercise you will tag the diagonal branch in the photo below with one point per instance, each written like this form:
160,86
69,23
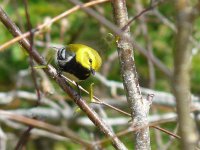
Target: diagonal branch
45,126
103,21
47,24
14,30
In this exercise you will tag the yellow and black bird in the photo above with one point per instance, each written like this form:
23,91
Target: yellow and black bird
78,61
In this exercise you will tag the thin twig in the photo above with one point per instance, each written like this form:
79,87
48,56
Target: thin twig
121,34
98,101
106,23
46,24
166,131
25,136
171,139
44,126
134,129
112,107
152,6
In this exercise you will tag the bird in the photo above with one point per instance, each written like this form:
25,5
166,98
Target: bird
78,61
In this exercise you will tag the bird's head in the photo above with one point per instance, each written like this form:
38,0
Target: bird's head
63,55
86,56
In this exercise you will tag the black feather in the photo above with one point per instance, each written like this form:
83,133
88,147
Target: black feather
76,69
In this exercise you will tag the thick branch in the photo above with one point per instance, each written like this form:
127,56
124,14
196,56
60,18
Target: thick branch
181,81
139,106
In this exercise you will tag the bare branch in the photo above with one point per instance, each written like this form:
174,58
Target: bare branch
47,24
62,83
138,105
3,139
119,32
181,80
43,125
160,97
103,21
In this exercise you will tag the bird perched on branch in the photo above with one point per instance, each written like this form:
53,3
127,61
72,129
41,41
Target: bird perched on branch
78,61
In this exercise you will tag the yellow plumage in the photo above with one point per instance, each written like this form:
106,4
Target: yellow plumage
84,53
78,60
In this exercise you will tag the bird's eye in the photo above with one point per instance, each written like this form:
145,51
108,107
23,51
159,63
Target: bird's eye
62,54
90,60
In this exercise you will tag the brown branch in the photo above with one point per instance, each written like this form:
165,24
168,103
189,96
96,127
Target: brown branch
70,134
26,134
45,126
135,129
171,139
166,131
23,138
145,32
112,107
97,100
154,120
181,80
152,6
47,24
62,83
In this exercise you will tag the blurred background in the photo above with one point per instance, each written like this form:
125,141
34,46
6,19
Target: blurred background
154,31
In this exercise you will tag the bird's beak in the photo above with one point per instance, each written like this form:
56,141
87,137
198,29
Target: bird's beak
92,71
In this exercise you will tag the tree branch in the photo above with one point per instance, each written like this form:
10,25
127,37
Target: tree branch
138,105
181,80
62,83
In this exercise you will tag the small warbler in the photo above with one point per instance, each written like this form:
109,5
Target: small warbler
78,61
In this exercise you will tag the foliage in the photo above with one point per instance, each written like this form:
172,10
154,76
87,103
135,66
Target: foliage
78,27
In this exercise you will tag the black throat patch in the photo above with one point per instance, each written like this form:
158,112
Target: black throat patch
75,68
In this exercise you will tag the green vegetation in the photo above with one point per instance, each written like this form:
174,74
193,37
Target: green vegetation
78,27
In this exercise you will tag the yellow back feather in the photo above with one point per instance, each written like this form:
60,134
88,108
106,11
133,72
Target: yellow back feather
84,54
